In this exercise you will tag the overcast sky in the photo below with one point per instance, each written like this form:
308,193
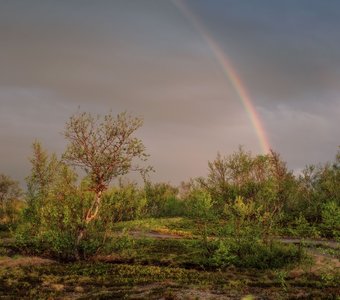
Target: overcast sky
146,57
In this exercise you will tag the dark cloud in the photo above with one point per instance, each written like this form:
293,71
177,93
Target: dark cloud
305,136
282,49
145,57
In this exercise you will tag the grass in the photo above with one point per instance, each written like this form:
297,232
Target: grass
148,251
100,280
132,267
189,253
176,226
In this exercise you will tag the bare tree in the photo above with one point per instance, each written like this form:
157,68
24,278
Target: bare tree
104,148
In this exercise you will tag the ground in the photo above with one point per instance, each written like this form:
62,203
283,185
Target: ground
161,271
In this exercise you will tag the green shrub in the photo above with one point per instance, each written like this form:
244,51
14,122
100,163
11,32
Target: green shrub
300,227
200,206
56,232
123,203
10,205
245,241
223,255
173,207
331,219
254,254
124,244
55,208
161,197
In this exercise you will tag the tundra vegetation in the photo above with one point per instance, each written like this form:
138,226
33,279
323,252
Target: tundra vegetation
250,227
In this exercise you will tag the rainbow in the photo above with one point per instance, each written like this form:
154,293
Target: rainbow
230,73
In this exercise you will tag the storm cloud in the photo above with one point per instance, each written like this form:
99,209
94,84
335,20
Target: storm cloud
146,58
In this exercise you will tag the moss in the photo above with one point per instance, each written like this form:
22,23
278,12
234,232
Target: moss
176,226
104,281
158,268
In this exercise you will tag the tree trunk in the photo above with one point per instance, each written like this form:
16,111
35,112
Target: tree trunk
91,214
93,210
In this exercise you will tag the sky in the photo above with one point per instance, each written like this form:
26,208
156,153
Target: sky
156,60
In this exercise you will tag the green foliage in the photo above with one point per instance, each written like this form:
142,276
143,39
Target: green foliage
223,255
316,201
252,253
60,220
176,226
39,184
124,244
250,193
9,201
300,227
162,200
122,203
298,205
281,276
236,210
55,208
65,217
201,206
243,220
262,178
174,207
331,219
201,211
320,185
104,148
244,240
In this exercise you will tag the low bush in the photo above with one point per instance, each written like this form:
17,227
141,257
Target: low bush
250,254
330,225
162,200
301,228
123,203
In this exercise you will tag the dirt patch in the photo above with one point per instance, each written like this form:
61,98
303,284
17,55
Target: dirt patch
10,262
321,264
155,235
310,242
